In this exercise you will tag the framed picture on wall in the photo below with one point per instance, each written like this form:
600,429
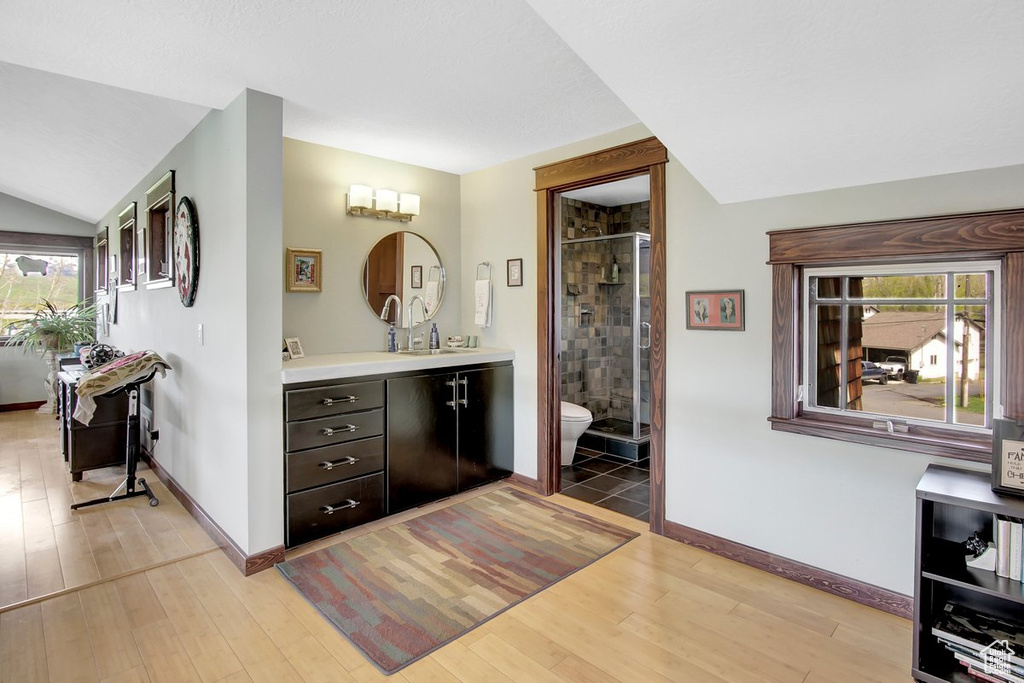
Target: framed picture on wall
303,271
515,272
715,310
416,279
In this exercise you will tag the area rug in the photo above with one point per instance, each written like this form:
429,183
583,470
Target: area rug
403,591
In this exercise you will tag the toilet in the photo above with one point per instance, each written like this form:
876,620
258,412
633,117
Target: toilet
575,420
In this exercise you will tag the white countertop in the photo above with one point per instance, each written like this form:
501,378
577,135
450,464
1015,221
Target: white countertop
359,363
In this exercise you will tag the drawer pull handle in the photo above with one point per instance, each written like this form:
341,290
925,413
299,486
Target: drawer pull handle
331,431
331,509
342,399
327,465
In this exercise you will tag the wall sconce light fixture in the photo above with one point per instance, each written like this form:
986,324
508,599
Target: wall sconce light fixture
361,200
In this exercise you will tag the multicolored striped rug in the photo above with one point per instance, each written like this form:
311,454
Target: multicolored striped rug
401,592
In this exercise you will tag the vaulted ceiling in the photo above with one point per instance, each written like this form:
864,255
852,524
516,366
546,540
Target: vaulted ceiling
756,99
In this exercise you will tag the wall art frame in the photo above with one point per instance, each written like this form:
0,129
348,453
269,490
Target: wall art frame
722,309
303,270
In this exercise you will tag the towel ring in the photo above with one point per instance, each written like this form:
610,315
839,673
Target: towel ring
485,264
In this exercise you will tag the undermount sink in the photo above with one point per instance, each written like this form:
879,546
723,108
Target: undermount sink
432,352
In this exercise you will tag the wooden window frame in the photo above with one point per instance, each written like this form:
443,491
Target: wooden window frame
159,209
127,249
994,235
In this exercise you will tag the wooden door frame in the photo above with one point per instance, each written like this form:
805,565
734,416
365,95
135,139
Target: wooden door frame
646,156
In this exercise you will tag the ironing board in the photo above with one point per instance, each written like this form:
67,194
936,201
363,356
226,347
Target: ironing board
124,375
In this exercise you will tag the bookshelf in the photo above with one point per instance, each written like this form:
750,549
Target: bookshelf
952,504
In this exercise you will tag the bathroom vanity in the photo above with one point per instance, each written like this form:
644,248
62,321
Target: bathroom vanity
371,434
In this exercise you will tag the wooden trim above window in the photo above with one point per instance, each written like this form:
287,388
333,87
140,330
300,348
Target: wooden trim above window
991,232
995,234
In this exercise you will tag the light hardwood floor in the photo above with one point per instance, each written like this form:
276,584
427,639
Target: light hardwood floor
654,610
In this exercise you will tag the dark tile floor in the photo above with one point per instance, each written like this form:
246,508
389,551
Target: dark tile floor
609,482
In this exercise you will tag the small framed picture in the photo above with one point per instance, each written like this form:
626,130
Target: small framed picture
1007,457
715,310
515,272
303,270
294,348
416,280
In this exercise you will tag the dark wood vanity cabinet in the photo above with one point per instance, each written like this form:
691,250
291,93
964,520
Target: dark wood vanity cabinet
448,432
359,449
334,458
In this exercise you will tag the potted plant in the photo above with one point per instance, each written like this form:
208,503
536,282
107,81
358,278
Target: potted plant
54,331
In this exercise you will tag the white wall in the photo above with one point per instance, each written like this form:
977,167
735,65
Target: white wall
316,179
20,216
842,507
219,409
499,222
22,374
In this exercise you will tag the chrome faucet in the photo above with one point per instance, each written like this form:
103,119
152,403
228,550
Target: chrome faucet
408,314
387,308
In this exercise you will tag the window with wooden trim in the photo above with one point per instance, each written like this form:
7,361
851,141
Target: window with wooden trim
160,215
126,242
903,319
945,295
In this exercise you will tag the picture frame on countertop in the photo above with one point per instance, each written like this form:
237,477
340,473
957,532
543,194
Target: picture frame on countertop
716,310
294,347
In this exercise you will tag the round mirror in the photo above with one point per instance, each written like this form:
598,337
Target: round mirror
403,270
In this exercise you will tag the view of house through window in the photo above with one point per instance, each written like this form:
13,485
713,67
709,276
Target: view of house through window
915,345
28,279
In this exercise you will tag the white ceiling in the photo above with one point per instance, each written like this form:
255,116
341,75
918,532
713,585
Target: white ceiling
755,99
450,85
763,99
616,193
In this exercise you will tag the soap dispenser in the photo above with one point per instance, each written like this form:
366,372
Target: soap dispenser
615,270
392,340
435,337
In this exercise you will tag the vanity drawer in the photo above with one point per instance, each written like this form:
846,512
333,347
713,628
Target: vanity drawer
333,463
336,429
329,509
337,399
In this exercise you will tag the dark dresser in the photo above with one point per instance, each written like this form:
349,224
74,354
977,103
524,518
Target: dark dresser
100,444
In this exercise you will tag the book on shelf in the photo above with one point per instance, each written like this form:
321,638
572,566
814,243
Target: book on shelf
970,632
1003,547
1016,538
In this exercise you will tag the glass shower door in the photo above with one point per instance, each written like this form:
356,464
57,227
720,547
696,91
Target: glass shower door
642,351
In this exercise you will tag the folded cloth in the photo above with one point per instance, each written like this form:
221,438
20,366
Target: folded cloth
482,314
117,373
431,294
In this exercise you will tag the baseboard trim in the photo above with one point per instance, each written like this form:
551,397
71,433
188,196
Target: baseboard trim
525,482
27,405
836,584
247,564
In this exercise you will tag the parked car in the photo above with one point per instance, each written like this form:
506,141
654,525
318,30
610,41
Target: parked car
873,372
895,366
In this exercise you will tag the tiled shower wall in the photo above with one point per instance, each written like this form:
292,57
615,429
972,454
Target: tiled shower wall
582,219
597,327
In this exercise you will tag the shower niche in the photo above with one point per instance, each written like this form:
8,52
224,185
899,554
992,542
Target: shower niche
605,322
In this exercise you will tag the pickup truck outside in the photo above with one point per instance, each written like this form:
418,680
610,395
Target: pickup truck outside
896,366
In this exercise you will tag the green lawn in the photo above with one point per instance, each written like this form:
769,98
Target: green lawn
21,296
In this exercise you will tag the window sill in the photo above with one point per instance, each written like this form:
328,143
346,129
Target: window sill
945,444
163,283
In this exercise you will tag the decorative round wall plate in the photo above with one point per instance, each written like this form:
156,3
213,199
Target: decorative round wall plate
186,250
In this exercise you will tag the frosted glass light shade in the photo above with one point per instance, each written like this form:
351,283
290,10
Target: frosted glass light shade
387,200
410,203
360,197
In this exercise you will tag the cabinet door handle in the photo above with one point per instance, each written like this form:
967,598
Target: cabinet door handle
454,403
327,465
331,431
331,509
340,399
465,385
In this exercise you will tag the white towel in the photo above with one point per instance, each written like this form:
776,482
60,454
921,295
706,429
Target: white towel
482,316
431,295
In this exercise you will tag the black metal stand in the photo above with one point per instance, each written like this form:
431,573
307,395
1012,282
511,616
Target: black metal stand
132,452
